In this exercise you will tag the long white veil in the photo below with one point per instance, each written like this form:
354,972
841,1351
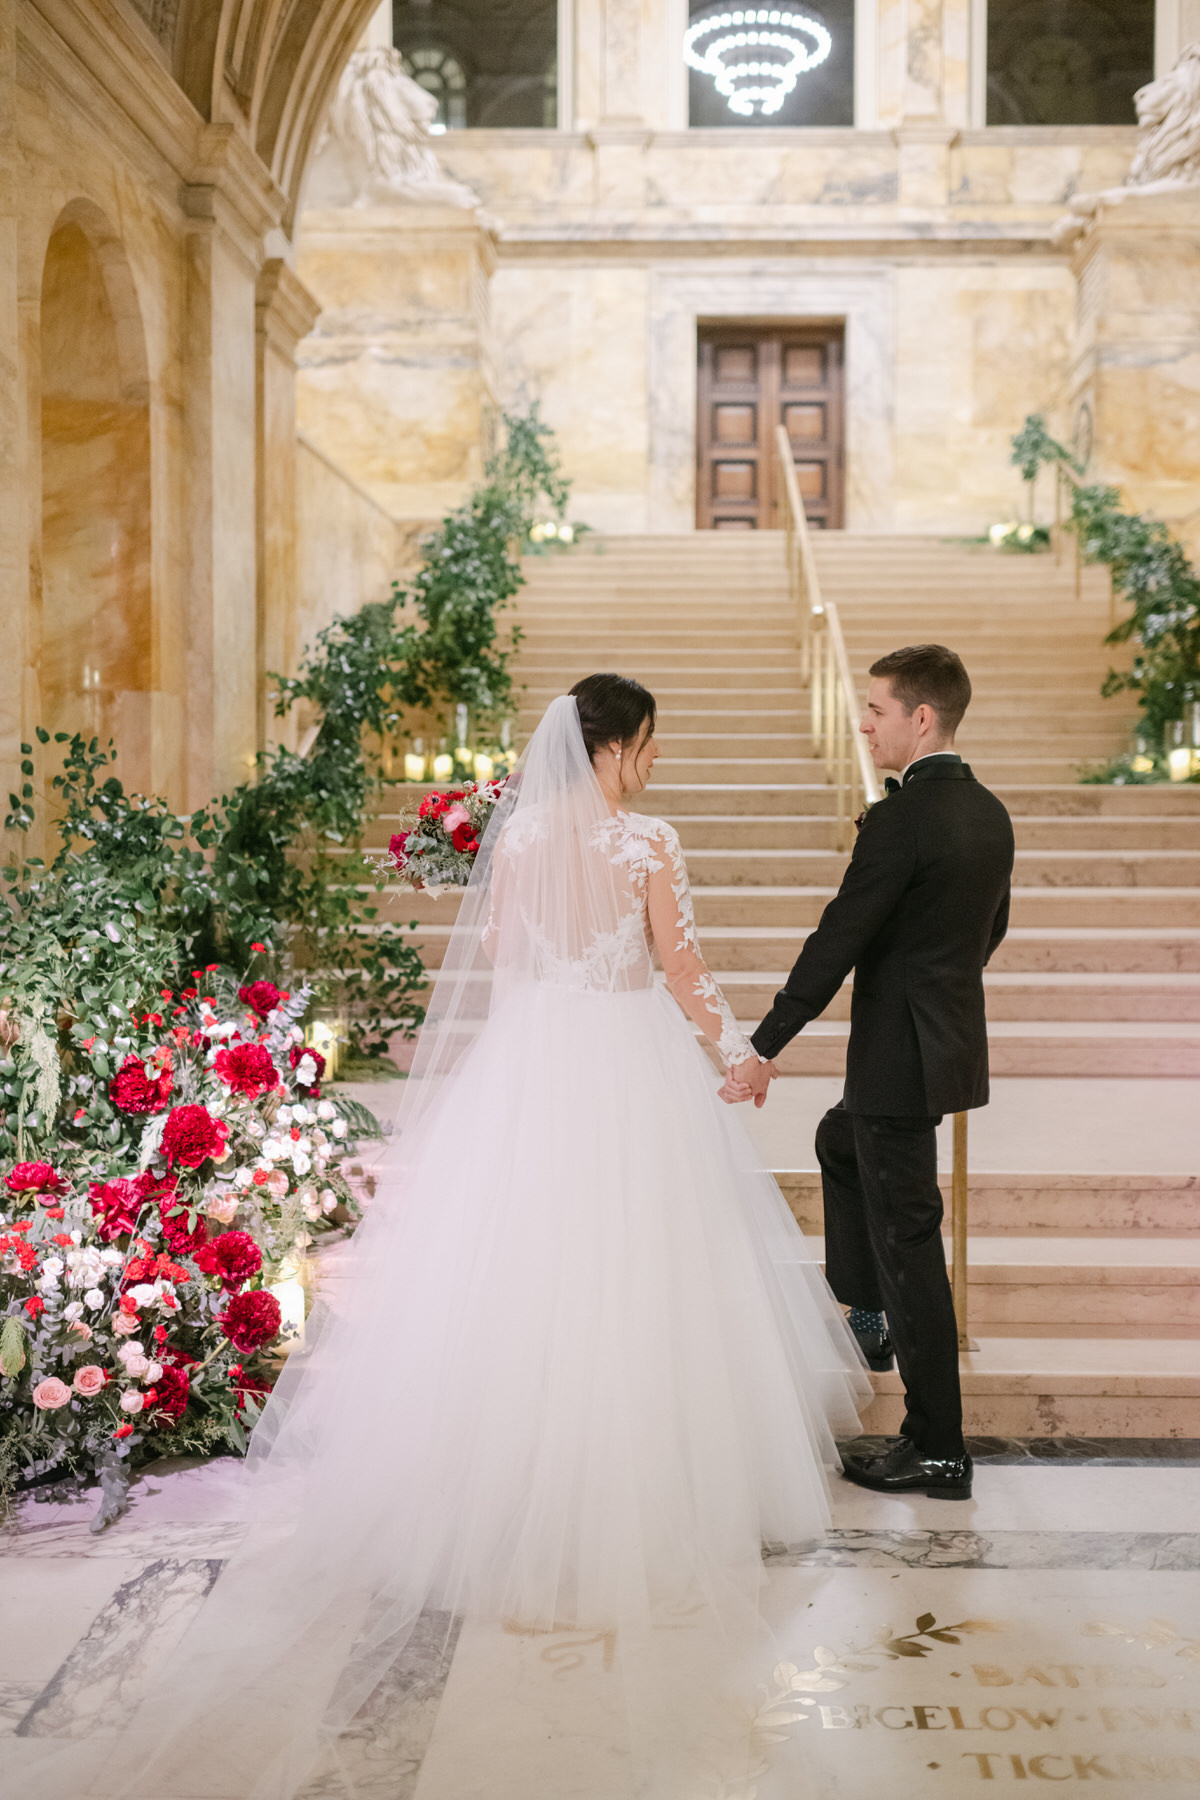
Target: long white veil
384,1482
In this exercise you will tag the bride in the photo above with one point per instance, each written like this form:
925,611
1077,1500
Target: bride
583,1366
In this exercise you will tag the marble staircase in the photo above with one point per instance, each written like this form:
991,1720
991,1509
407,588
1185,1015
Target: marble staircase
1084,1289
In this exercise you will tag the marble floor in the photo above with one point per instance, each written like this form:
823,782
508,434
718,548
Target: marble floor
1047,1630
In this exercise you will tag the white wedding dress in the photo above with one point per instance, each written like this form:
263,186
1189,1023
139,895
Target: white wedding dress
584,1366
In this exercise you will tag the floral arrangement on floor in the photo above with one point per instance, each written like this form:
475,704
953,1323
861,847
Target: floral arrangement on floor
139,1271
437,849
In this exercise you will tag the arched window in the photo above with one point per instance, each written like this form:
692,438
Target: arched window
488,63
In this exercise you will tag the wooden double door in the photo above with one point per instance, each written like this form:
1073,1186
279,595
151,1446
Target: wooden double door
751,379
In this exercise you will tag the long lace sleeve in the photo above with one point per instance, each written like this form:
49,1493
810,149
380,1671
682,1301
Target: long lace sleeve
673,924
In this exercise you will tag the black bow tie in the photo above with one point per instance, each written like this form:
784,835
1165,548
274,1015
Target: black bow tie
891,785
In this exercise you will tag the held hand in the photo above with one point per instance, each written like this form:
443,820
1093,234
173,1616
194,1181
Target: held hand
749,1080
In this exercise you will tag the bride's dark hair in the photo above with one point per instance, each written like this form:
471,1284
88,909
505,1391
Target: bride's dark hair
612,706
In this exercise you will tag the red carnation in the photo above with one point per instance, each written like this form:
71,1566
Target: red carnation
38,1178
115,1205
191,1135
463,838
296,1056
234,1256
261,997
180,1240
131,1090
247,1069
248,1387
35,1306
251,1320
172,1389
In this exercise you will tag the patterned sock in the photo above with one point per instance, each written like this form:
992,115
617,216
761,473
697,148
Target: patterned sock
866,1323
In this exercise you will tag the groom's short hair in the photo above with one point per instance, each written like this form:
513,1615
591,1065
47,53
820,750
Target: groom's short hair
928,675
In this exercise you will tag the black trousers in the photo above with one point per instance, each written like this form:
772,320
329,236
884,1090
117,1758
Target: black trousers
883,1251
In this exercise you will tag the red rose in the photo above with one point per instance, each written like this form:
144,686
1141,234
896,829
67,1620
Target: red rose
131,1090
234,1256
247,1069
261,997
37,1177
251,1320
115,1205
172,1388
463,838
191,1135
296,1056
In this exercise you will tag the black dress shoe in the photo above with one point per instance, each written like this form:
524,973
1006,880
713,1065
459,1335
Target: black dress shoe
878,1349
902,1469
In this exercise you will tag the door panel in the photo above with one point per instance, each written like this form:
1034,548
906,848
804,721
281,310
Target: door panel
752,378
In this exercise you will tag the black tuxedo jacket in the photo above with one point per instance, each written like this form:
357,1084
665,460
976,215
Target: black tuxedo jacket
919,912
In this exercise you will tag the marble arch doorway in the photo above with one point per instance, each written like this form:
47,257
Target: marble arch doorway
96,662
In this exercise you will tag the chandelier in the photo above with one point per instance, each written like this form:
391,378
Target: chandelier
781,46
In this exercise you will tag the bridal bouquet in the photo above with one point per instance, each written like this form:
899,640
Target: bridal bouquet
438,848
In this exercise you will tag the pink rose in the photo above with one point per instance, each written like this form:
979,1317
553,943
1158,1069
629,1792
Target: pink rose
457,815
125,1324
89,1380
132,1401
82,1330
50,1394
276,1184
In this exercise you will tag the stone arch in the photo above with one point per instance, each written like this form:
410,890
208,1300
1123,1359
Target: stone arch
97,652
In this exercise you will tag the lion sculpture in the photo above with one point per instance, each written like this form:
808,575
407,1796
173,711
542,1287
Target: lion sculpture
376,146
1169,115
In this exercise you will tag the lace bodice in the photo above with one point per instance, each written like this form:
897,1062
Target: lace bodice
618,893
649,853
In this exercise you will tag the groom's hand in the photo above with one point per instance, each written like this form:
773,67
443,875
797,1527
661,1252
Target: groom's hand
748,1080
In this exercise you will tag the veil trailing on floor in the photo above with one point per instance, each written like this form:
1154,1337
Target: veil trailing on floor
579,1363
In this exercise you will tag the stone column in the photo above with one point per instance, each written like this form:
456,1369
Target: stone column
14,477
285,312
1136,374
230,208
395,384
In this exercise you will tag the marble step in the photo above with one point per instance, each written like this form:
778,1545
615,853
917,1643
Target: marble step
1126,1382
1015,996
1026,951
763,928
1065,908
1032,1047
1030,1205
1015,1281
710,831
1033,868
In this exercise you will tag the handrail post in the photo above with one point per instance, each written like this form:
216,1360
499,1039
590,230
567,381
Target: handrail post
959,1188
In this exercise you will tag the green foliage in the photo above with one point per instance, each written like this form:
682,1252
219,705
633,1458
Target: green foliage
1151,571
1033,446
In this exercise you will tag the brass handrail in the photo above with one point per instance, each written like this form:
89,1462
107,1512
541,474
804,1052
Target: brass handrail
824,664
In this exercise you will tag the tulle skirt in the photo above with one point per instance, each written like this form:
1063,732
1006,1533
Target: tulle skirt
582,1367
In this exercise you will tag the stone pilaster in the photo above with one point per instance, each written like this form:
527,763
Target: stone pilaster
396,385
924,62
1136,367
230,206
285,312
14,475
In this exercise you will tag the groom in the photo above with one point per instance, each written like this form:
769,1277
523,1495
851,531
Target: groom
920,910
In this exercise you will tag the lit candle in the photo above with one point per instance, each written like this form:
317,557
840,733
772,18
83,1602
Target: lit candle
414,766
1179,762
483,767
443,767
